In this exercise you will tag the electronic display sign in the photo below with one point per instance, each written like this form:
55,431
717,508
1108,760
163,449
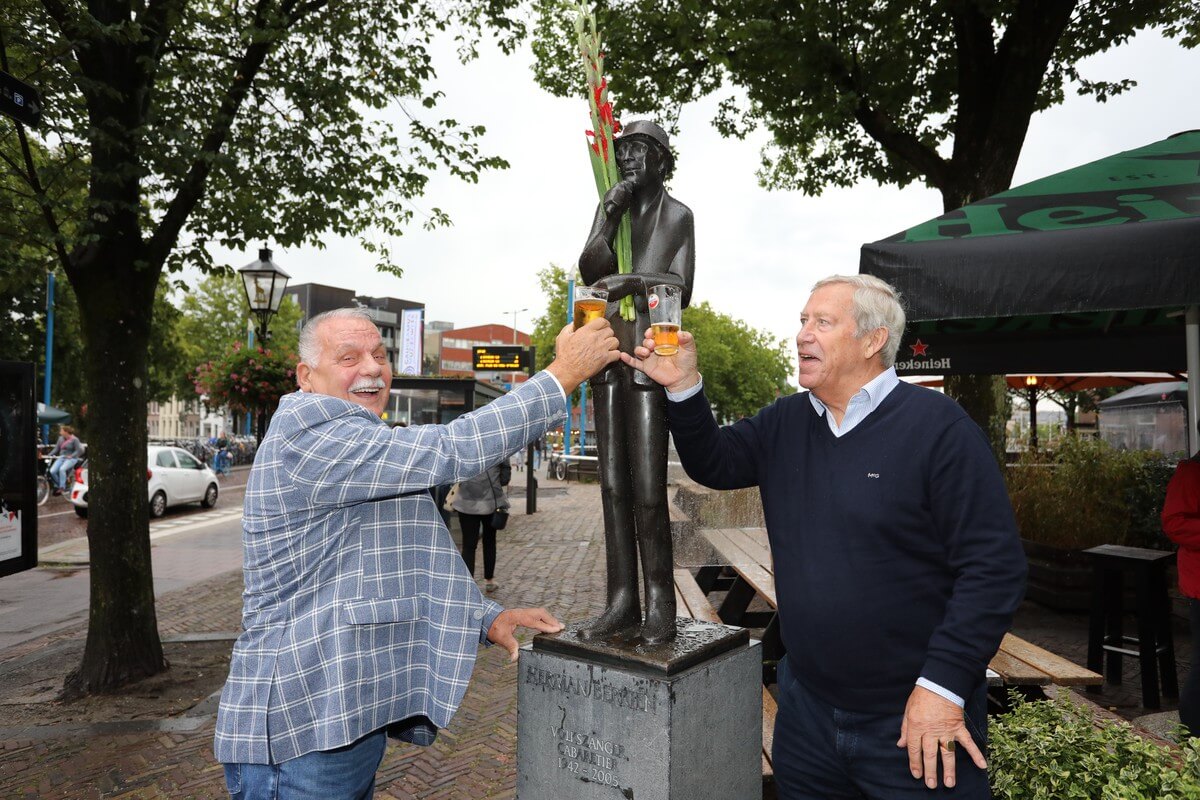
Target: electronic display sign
499,358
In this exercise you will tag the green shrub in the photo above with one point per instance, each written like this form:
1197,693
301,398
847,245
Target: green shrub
1054,750
1086,493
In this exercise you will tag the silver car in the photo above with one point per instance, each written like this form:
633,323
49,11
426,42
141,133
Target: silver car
173,477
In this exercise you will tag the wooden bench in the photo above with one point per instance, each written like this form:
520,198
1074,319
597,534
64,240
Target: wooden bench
1017,662
690,601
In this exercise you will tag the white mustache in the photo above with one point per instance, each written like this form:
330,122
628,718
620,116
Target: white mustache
369,383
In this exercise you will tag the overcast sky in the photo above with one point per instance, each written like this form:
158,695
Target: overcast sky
757,252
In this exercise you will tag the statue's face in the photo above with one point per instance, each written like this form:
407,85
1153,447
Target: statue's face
640,161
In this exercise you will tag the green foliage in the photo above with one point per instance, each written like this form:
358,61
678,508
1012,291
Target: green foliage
1056,750
1087,493
743,368
553,282
276,108
860,89
247,378
215,315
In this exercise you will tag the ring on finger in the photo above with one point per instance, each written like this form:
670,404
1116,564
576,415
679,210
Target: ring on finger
948,746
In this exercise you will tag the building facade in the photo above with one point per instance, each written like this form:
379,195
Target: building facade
456,354
400,321
177,418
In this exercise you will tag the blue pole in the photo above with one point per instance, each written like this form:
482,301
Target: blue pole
570,403
49,349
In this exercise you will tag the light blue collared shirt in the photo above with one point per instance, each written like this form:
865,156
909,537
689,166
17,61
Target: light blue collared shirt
864,401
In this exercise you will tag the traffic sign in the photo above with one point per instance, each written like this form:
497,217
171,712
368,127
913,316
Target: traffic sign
19,100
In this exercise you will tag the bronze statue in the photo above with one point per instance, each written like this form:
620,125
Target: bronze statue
631,423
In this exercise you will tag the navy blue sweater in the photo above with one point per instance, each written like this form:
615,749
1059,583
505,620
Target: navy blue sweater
896,553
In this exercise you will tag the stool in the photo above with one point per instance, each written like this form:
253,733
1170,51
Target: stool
1155,646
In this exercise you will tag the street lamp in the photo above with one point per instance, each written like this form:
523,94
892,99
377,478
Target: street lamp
512,377
264,282
1031,384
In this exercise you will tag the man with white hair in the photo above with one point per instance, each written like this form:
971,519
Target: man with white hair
897,562
360,620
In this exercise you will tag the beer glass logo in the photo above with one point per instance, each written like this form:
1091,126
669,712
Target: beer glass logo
652,301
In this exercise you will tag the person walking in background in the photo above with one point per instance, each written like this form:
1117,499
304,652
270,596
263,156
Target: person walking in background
1181,522
477,499
222,459
69,450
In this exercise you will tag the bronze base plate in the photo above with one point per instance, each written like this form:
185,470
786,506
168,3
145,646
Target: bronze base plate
695,641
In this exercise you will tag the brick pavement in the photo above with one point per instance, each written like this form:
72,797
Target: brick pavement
554,558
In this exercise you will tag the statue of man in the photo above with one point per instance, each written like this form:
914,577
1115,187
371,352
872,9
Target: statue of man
630,408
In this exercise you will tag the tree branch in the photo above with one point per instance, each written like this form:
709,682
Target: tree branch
191,189
30,175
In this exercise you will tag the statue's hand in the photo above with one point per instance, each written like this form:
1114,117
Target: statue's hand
621,285
618,199
677,373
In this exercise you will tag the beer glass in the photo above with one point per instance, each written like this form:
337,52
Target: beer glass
589,304
664,302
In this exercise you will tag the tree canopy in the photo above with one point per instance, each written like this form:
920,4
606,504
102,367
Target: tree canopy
743,368
892,92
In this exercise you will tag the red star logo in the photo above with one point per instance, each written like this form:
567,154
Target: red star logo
919,348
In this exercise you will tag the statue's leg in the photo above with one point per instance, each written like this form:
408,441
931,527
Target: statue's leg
623,611
647,423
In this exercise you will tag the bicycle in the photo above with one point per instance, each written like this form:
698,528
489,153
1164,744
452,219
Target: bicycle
44,487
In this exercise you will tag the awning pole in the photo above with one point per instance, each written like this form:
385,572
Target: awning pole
1193,368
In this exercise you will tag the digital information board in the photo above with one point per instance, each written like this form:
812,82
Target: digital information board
499,358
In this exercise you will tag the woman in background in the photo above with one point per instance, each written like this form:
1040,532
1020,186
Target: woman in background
475,502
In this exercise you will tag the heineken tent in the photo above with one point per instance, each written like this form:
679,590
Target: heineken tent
1089,270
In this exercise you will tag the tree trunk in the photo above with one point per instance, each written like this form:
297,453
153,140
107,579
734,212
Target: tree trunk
115,297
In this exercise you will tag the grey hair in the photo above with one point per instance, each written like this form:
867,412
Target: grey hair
877,304
310,345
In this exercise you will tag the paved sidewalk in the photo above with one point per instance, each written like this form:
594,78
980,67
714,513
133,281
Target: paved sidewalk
554,558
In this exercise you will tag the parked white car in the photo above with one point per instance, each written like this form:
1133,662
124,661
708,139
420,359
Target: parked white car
173,477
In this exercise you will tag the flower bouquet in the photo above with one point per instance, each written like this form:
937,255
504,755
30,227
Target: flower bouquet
601,150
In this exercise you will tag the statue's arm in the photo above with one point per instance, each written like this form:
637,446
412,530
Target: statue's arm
682,270
598,258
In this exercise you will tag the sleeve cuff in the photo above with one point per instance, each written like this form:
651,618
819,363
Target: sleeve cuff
941,691
561,391
491,610
691,391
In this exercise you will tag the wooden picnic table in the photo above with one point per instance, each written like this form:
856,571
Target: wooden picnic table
748,552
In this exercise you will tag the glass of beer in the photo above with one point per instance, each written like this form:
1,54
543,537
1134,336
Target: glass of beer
664,302
590,303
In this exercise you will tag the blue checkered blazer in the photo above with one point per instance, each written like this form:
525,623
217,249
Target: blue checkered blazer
358,611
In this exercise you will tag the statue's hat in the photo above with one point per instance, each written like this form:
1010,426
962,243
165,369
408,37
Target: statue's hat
650,130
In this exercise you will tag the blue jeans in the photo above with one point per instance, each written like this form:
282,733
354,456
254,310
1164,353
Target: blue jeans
347,773
59,469
827,753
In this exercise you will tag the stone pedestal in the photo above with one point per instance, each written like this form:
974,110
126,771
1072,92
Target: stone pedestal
595,725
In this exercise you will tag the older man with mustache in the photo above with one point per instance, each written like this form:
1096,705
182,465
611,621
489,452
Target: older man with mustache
360,621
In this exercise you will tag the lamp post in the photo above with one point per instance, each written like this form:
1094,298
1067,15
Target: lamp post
512,376
1031,384
264,282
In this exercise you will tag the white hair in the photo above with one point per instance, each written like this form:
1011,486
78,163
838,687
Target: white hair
310,345
877,304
